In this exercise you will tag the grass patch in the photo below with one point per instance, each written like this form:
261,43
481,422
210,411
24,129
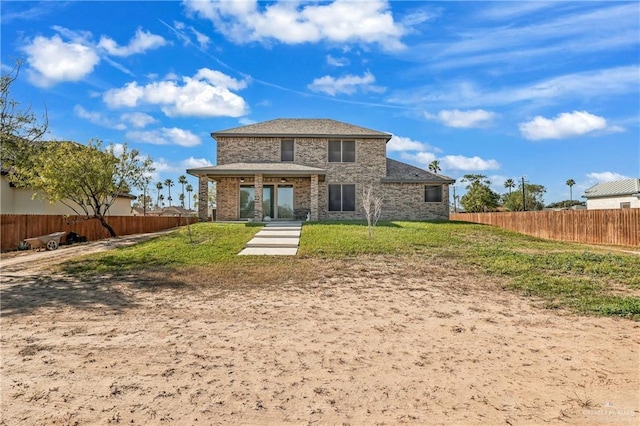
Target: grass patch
580,278
206,244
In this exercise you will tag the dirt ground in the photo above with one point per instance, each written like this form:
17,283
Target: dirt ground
371,342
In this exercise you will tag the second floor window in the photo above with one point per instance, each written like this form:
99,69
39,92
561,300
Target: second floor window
342,151
286,150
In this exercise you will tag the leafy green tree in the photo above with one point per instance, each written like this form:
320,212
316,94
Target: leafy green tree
86,178
533,196
182,180
168,183
479,197
19,127
570,184
434,166
510,184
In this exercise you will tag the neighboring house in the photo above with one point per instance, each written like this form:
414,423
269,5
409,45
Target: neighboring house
15,200
287,168
621,194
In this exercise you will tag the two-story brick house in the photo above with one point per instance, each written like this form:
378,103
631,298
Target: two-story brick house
280,168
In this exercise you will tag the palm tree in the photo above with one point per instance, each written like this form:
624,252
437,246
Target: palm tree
570,184
189,190
434,166
510,184
169,183
161,198
182,180
159,188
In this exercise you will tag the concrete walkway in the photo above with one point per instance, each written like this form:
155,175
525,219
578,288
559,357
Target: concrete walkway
275,239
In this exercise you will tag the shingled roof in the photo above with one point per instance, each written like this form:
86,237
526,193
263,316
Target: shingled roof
303,127
398,172
615,188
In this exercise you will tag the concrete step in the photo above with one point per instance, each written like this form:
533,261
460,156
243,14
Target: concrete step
277,233
283,224
269,251
273,242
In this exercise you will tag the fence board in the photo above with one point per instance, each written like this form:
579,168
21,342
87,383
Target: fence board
616,227
15,228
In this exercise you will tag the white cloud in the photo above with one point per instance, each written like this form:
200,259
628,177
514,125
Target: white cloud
246,121
207,94
341,21
349,84
460,162
399,143
193,163
420,158
138,119
139,43
202,39
97,118
463,119
606,176
605,82
337,62
52,60
565,125
72,55
165,136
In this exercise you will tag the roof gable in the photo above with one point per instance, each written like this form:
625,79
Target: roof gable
615,188
309,127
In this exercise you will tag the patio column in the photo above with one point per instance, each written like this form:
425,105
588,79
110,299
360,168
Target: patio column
257,208
314,197
203,198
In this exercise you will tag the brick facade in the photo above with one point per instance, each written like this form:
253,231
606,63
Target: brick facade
401,200
369,167
405,201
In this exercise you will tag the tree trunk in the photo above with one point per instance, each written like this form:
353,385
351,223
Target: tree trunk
108,227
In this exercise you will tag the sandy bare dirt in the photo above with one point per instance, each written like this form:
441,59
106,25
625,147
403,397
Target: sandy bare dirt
373,342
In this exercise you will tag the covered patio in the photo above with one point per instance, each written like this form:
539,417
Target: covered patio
260,191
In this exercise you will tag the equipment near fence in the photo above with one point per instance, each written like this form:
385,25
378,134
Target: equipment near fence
50,242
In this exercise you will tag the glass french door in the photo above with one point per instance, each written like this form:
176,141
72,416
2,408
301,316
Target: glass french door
247,202
284,198
277,201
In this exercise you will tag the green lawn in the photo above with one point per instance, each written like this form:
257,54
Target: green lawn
580,278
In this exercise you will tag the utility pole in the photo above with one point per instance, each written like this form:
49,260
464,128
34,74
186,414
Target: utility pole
524,199
455,203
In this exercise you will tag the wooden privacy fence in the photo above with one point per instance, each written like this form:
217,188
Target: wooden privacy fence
16,227
619,227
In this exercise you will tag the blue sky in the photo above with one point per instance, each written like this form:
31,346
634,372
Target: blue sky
546,90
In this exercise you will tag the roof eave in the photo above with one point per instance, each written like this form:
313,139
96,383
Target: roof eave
216,135
429,181
239,172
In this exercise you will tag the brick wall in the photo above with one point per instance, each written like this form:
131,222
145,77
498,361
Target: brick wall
401,201
405,201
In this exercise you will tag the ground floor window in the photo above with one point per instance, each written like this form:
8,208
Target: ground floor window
433,194
342,198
